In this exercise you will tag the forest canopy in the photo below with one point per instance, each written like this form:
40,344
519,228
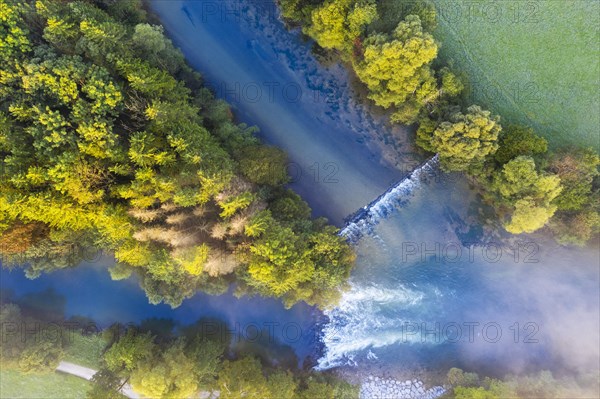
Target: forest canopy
109,140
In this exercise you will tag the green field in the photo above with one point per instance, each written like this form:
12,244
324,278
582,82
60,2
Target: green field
532,62
83,350
14,384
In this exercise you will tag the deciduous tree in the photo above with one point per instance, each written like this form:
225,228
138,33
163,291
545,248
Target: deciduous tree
337,23
466,139
527,194
396,68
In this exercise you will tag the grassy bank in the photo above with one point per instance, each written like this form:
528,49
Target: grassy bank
535,63
14,384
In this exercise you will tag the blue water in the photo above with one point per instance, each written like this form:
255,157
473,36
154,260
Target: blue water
243,43
408,275
430,290
88,291
270,77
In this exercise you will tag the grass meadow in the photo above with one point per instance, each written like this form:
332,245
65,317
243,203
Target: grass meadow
533,62
14,384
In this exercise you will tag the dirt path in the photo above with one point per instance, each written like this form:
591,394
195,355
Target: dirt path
87,373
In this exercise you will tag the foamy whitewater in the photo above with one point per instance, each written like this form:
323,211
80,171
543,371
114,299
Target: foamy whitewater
397,281
354,326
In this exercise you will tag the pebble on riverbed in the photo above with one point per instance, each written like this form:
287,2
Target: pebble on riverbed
380,388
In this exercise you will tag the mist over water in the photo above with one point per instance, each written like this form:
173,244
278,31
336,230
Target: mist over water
431,290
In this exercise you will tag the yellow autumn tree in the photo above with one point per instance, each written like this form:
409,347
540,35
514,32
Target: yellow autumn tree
466,139
396,68
526,194
337,23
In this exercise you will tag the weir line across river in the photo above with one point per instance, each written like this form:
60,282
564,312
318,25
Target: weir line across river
363,220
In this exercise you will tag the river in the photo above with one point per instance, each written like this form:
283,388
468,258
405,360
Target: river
431,289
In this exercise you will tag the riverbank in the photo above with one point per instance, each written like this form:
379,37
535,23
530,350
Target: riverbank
334,142
395,382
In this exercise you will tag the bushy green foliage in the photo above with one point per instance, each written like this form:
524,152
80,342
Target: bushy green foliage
391,12
576,228
131,349
519,140
181,367
467,139
451,85
527,194
172,374
336,24
29,353
264,165
539,385
396,68
458,377
578,217
494,392
247,378
295,262
105,385
108,139
577,170
298,11
243,378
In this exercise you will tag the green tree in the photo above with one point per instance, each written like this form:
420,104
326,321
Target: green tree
259,224
396,68
466,140
577,170
13,34
526,194
129,352
11,344
492,389
456,376
392,12
206,353
474,393
575,228
336,24
149,38
108,139
298,10
172,374
193,259
316,389
264,165
578,219
105,385
290,207
42,356
29,353
321,386
519,140
451,85
281,384
279,262
311,266
235,203
242,379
